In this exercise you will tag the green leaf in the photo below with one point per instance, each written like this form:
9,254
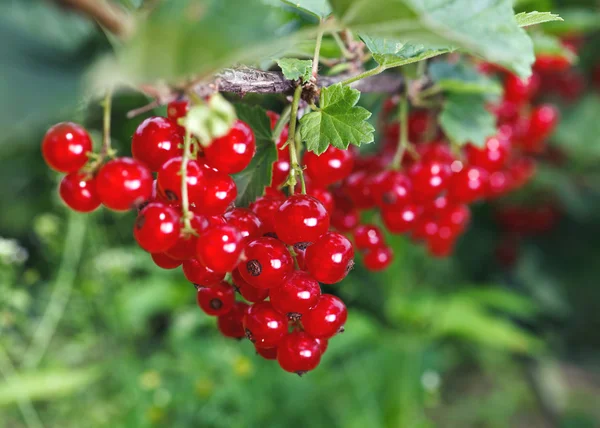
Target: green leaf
294,69
462,78
319,8
465,119
251,182
578,131
45,385
211,120
338,122
391,52
576,21
525,19
551,45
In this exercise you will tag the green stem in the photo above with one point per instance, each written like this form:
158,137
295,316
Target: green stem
315,64
284,118
294,165
403,143
185,203
369,73
106,149
347,54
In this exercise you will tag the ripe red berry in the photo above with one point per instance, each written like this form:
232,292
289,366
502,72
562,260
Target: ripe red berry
267,353
441,244
492,157
231,323
248,292
329,167
266,263
264,326
541,124
233,152
169,180
200,275
155,141
499,184
358,190
219,248
468,185
378,259
265,208
327,318
177,109
298,353
345,221
426,226
301,219
216,300
65,147
457,218
220,193
297,295
185,247
123,183
156,228
551,63
322,195
78,192
368,236
330,258
391,188
246,222
429,179
165,262
281,172
520,90
401,220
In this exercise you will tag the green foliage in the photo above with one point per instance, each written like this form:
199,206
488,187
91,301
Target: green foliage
210,120
579,129
465,119
525,19
338,121
462,78
318,8
394,53
294,69
251,182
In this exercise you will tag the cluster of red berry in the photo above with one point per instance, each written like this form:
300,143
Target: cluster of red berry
277,251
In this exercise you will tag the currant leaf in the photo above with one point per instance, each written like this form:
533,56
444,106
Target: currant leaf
462,78
319,8
339,121
525,19
211,120
294,69
465,119
391,52
251,182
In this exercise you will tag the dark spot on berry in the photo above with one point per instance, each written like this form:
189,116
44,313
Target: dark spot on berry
139,222
294,316
350,265
302,245
254,267
301,373
198,286
388,198
171,196
216,304
236,288
142,205
249,335
270,235
341,329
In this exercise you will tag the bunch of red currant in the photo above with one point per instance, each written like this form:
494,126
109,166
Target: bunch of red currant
276,251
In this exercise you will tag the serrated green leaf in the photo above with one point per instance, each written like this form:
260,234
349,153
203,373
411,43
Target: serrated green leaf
391,52
338,122
319,8
462,78
525,19
294,69
465,119
211,120
251,182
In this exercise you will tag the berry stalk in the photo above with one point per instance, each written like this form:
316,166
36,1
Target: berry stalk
185,203
295,167
403,138
315,64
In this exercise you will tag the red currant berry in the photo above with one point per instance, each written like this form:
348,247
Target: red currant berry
327,318
322,195
298,294
216,300
200,275
329,167
185,247
266,263
169,180
436,151
457,218
551,63
265,208
246,222
542,122
233,152
231,323
156,228
163,261
301,219
492,157
298,353
358,190
521,171
425,228
123,183
264,326
378,259
78,192
330,258
177,110
248,292
267,353
345,221
155,141
65,147
429,179
220,193
368,237
500,183
391,188
468,185
401,220
219,248
281,172
441,244
520,91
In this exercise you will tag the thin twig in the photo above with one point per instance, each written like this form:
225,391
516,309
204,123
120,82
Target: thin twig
294,165
403,139
315,64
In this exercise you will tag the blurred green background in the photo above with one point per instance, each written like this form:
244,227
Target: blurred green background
93,334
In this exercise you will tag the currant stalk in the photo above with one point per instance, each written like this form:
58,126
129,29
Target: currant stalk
403,143
315,64
106,150
295,167
185,203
